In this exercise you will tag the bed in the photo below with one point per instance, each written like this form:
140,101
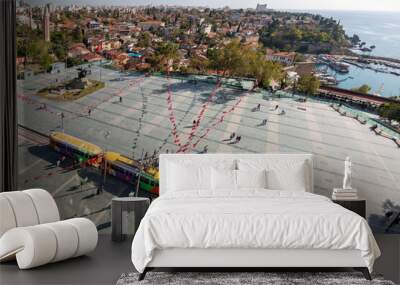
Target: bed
247,211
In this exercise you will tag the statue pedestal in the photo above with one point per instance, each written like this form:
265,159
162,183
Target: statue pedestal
344,194
348,190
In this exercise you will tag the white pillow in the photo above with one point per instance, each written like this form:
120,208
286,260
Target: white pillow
292,178
251,178
282,174
183,177
223,179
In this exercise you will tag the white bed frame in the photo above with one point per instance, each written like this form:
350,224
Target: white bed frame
250,258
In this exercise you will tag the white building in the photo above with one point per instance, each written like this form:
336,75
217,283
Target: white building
93,25
207,28
147,25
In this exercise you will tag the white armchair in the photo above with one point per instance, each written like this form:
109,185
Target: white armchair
31,230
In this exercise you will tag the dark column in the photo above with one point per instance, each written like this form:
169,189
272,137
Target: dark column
8,100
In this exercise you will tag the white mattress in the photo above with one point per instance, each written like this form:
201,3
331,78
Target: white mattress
250,219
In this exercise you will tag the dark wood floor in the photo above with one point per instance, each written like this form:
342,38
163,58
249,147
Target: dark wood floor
103,266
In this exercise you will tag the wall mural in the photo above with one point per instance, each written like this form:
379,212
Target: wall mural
94,116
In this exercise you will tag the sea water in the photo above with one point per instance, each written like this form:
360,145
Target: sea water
381,29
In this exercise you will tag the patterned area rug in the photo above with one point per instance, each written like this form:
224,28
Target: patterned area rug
244,278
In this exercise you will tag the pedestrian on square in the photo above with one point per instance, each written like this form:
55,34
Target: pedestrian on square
99,190
58,163
89,112
258,107
120,99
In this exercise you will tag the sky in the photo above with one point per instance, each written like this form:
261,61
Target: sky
369,5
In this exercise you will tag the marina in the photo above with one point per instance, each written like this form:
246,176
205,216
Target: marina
378,67
333,62
384,81
383,66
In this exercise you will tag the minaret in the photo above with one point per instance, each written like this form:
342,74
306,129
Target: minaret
46,24
30,19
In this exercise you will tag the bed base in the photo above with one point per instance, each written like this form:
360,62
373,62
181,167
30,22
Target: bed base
242,259
363,270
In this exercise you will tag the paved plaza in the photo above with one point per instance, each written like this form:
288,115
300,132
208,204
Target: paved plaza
142,122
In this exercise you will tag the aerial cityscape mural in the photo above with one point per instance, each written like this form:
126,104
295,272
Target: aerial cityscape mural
103,90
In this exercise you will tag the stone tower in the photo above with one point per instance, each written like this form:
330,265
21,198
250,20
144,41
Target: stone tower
31,24
46,23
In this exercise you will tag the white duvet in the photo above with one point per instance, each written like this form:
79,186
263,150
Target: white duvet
250,218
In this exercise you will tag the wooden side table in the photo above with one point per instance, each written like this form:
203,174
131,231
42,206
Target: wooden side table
357,206
126,214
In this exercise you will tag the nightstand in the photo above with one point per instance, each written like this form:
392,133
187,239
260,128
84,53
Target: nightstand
357,206
126,214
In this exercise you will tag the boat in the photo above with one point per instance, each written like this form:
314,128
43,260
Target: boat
340,67
326,78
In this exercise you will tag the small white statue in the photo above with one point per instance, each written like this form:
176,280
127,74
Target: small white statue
347,174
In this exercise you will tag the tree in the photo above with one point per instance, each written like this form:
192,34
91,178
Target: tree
264,71
165,56
227,58
46,61
144,40
39,51
308,84
390,111
299,57
199,64
60,43
72,61
355,39
362,89
77,35
237,60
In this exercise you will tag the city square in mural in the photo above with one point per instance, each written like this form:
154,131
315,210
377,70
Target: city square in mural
91,128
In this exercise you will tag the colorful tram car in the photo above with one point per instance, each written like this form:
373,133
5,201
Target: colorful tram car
79,150
117,165
127,169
